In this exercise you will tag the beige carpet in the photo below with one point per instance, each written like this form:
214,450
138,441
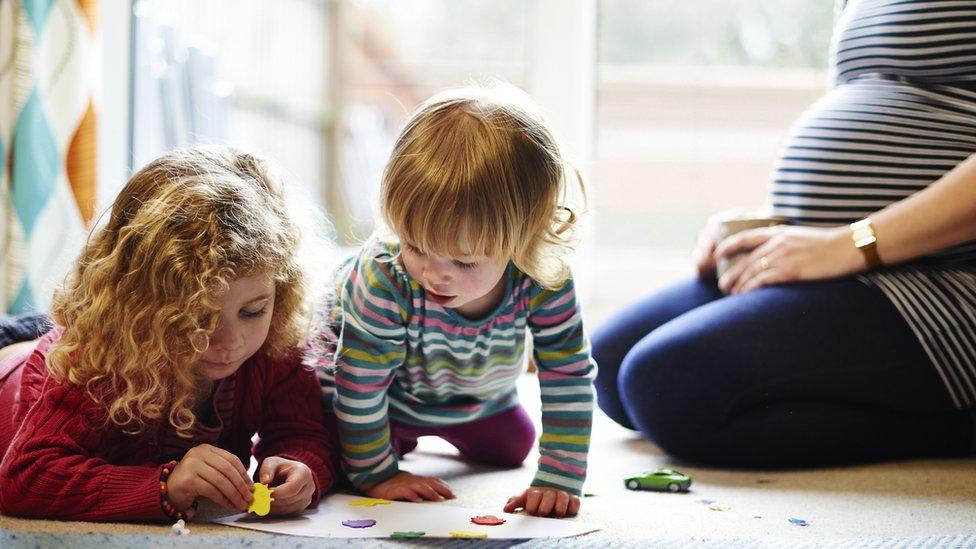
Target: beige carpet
917,498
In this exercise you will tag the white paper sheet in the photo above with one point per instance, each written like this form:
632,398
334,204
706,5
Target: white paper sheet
436,520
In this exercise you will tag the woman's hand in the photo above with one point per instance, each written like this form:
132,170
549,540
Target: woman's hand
781,254
213,473
704,252
292,482
542,501
409,487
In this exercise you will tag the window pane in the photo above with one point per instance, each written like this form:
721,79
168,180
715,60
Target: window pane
247,72
694,99
397,54
772,33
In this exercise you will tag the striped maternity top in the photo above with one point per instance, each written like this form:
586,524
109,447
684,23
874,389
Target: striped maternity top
901,114
405,357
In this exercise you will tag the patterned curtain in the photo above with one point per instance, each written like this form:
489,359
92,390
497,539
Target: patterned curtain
49,53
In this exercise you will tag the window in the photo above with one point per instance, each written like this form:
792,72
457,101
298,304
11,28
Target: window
248,72
694,99
320,86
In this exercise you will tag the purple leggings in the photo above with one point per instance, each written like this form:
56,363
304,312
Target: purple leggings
503,439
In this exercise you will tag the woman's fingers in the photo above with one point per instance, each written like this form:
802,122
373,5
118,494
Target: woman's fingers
765,278
743,242
747,267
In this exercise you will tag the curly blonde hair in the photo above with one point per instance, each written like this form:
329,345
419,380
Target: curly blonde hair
139,307
477,170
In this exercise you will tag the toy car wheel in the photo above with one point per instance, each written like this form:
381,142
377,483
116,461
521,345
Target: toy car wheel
633,484
673,487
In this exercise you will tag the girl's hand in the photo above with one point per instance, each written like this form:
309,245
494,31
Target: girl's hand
543,502
792,254
405,486
213,473
293,484
703,253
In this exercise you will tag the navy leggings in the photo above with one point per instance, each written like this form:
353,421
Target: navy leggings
22,327
798,375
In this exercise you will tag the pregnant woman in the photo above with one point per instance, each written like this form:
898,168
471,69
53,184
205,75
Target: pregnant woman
850,335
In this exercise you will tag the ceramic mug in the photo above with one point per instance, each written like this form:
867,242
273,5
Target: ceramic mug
738,224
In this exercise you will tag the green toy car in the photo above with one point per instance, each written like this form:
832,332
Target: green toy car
661,480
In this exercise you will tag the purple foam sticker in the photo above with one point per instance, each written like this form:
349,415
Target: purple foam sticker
359,523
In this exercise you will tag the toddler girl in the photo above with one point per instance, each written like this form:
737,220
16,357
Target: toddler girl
435,313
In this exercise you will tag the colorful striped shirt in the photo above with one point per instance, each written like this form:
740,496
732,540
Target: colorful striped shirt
405,357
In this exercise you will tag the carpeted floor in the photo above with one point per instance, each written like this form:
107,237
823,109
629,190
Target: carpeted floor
911,504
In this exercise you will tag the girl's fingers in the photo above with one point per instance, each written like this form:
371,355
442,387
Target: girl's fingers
287,490
442,488
547,503
231,468
514,503
574,505
290,499
427,492
234,462
222,481
210,491
408,493
561,505
270,469
532,500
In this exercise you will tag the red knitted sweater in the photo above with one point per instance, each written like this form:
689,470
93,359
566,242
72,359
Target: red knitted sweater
63,463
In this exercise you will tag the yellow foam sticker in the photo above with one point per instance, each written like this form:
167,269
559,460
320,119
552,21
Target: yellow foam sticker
368,502
261,504
468,534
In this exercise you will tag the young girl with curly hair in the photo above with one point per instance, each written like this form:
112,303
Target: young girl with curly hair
173,344
435,313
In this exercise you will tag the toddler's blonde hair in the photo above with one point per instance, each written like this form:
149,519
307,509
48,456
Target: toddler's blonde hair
476,170
139,307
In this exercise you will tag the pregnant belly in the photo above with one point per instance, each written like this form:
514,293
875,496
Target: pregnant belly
869,143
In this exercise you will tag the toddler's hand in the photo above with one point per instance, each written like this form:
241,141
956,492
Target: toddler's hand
213,473
543,502
293,484
410,487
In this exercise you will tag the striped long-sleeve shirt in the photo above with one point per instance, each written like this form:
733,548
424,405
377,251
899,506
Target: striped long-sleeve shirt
901,113
404,357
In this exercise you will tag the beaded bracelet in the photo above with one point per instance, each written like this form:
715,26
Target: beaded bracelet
168,509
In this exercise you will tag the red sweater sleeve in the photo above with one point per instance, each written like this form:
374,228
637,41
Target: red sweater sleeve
292,423
50,469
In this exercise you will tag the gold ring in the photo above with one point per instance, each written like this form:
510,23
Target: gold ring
764,262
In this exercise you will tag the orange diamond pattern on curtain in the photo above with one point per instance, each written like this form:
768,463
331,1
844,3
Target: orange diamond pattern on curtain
49,51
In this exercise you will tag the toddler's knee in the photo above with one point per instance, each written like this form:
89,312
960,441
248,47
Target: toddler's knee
521,443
